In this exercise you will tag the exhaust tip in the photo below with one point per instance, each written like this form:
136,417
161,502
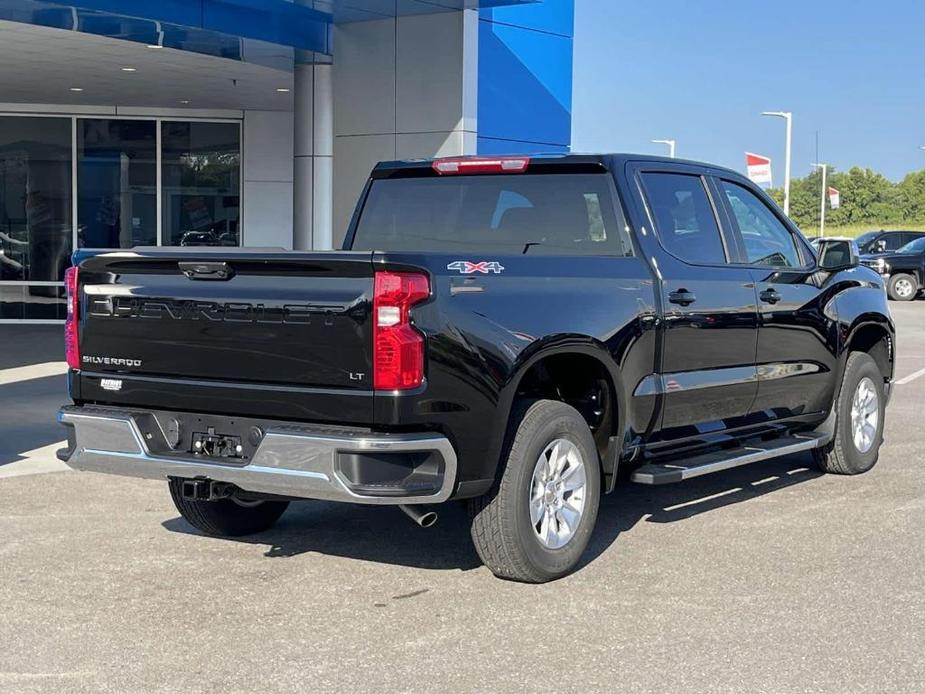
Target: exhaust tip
423,516
428,519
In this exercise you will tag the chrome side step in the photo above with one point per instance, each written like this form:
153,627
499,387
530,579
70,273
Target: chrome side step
707,463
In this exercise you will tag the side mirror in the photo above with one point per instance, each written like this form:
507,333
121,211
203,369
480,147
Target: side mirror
838,254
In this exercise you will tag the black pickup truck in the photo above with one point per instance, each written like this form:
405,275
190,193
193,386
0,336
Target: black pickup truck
903,270
520,333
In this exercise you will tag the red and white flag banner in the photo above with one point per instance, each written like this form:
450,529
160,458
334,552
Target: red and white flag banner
834,198
759,169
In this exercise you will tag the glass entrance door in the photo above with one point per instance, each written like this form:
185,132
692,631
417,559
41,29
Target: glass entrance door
116,183
35,215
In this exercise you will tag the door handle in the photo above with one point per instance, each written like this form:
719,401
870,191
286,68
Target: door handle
682,297
770,296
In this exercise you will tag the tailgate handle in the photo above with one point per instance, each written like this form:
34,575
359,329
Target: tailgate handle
207,271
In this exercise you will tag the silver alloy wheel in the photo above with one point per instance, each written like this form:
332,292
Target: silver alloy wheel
865,414
904,287
557,493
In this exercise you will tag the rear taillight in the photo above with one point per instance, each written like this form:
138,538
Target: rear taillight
398,349
71,343
456,166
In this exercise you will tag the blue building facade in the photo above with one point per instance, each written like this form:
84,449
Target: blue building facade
525,78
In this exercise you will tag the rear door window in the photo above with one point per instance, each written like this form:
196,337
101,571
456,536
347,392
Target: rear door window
684,218
893,242
535,214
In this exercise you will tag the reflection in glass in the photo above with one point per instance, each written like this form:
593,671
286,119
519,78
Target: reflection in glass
19,301
116,183
200,178
35,199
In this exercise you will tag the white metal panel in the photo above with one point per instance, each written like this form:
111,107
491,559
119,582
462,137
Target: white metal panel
429,60
267,213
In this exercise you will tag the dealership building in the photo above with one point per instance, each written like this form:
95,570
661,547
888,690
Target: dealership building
248,122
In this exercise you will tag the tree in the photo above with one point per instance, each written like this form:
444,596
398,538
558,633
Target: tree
867,197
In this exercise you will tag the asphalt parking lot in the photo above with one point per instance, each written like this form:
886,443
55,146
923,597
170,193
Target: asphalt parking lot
769,578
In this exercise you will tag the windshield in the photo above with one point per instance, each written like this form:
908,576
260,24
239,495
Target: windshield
916,246
866,238
536,214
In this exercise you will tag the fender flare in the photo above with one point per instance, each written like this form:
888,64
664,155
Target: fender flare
564,345
860,323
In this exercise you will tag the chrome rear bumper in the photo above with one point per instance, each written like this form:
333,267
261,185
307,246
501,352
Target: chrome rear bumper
291,460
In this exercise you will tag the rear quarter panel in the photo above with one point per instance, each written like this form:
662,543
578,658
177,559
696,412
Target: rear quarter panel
485,330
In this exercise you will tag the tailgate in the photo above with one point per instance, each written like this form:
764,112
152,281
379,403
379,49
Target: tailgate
248,319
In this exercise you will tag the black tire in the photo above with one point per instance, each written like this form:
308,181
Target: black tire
501,528
226,517
842,456
898,287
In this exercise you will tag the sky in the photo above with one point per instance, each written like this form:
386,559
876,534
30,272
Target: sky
702,71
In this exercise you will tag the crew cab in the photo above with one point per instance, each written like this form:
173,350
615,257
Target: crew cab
883,241
518,333
903,270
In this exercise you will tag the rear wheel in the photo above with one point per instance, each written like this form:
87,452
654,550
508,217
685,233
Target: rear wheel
535,523
902,287
855,446
231,517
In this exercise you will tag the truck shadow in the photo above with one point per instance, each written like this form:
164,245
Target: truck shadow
386,535
633,503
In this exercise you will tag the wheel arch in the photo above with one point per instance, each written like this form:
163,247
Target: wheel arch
876,338
581,359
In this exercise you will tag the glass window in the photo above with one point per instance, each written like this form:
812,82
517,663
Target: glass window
35,198
35,302
684,218
917,246
865,240
892,242
201,172
767,241
569,214
116,183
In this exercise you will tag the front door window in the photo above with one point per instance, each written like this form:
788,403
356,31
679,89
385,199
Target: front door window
767,241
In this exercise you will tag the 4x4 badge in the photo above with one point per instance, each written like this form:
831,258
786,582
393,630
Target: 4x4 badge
466,267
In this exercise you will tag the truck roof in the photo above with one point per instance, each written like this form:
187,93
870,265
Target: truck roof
575,162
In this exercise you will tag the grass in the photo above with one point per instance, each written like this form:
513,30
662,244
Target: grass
854,230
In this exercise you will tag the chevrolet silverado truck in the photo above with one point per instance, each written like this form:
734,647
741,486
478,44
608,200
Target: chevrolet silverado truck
518,333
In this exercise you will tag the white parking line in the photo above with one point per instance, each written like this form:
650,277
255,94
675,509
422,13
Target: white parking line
26,373
911,377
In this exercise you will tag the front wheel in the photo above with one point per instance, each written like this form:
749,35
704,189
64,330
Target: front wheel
855,446
902,287
231,517
535,523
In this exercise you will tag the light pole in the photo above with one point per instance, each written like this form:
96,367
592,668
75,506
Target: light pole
671,145
825,168
788,117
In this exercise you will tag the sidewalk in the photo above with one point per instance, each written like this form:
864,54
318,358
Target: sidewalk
32,387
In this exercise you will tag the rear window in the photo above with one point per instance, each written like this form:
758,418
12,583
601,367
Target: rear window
539,214
916,246
684,217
